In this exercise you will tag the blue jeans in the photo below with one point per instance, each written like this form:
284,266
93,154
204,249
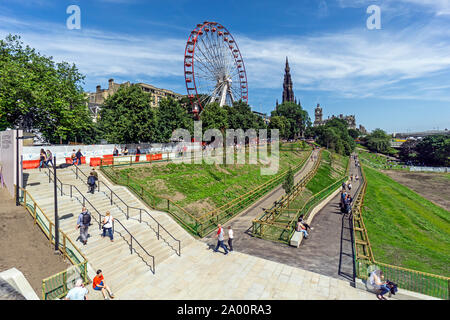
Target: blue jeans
305,234
220,244
49,161
384,289
79,161
110,233
41,164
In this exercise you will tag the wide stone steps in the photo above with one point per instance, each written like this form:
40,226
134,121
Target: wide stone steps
114,258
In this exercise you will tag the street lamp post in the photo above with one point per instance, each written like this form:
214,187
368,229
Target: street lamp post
17,166
56,206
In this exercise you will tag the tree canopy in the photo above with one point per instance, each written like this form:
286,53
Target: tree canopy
297,118
38,93
335,136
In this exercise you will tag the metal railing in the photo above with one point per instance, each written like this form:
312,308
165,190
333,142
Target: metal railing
56,286
85,201
267,226
198,226
364,260
112,194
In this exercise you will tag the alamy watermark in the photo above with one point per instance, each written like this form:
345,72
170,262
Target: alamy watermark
374,21
74,20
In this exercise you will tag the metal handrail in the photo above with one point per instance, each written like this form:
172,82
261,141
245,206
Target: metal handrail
130,207
152,268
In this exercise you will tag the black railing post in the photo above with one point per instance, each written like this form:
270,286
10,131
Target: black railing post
158,231
128,212
111,198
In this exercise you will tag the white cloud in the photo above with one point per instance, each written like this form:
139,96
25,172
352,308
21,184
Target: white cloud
357,63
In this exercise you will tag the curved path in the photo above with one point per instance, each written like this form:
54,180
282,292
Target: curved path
327,251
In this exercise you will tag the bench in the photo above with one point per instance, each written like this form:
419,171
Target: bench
296,239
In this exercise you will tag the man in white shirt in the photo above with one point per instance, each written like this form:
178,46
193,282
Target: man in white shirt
230,238
79,292
220,238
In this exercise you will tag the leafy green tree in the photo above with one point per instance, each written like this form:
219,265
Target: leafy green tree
335,136
408,151
378,141
127,117
288,183
353,133
297,117
282,124
170,116
215,117
240,116
434,150
38,93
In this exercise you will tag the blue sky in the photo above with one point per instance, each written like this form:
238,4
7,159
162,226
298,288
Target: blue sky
396,78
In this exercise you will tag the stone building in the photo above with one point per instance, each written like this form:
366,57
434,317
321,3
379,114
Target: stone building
97,98
319,121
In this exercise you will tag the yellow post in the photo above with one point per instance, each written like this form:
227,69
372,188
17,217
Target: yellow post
35,213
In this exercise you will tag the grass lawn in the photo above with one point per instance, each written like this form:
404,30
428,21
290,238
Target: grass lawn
200,188
331,169
404,228
378,161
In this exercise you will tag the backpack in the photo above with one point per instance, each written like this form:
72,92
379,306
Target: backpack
86,218
91,180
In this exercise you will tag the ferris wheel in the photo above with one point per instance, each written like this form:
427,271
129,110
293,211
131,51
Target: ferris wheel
214,70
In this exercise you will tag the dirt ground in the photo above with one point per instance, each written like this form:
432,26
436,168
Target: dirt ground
432,186
24,246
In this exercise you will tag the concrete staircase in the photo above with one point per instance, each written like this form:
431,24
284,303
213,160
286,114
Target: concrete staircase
121,268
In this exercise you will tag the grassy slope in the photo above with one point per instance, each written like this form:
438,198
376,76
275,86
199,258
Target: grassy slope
404,228
205,182
326,175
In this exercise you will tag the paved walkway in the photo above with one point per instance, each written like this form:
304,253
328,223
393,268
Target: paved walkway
328,250
242,223
201,274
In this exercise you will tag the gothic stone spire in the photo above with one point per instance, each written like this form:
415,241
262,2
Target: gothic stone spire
288,93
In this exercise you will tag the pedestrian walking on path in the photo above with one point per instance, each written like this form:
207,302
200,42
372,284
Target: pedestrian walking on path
49,158
220,239
83,223
107,226
42,159
91,183
230,238
98,283
79,292
78,156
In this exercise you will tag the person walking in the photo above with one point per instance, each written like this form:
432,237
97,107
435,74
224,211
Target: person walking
83,223
98,283
79,292
230,238
74,156
42,159
79,155
108,226
138,152
91,183
115,152
94,173
49,158
220,238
